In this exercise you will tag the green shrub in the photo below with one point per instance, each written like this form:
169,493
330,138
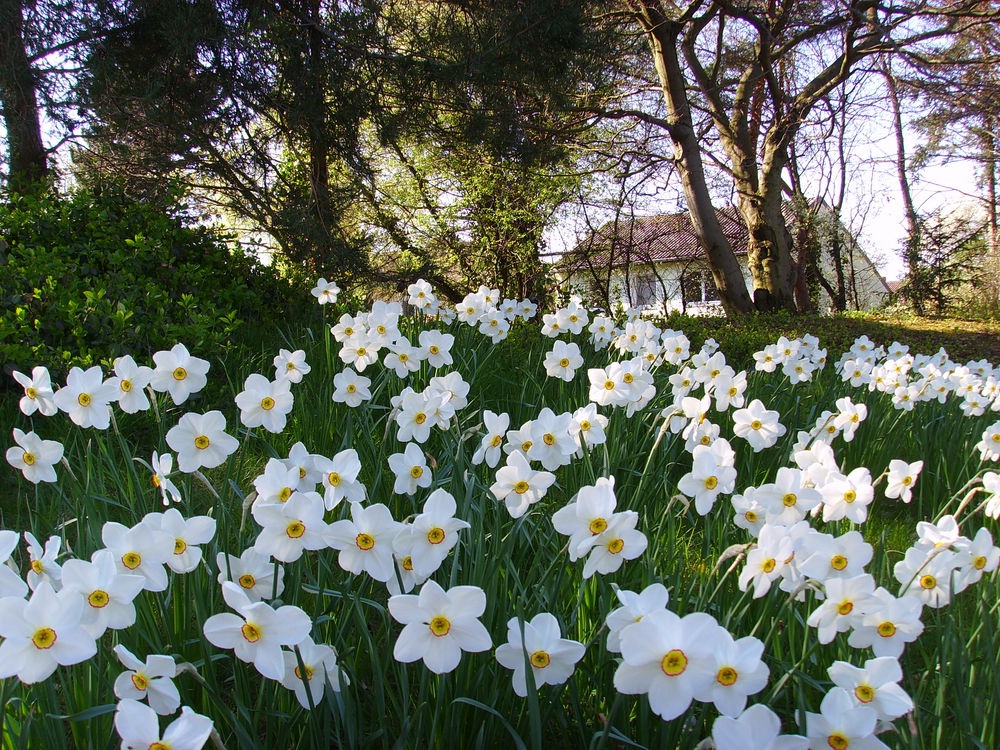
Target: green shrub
95,275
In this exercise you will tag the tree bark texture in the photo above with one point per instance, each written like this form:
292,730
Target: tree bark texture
27,157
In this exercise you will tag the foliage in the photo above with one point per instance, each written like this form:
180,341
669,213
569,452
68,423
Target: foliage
949,263
96,275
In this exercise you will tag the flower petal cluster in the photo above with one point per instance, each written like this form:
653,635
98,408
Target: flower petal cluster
257,632
538,644
179,373
439,624
34,457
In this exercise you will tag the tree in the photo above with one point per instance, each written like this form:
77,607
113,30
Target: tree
757,69
949,261
27,157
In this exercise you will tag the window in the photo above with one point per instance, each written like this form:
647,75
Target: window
697,285
644,290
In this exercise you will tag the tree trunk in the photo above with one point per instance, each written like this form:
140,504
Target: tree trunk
768,251
663,38
912,249
27,158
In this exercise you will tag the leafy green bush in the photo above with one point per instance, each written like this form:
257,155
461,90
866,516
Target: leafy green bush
95,275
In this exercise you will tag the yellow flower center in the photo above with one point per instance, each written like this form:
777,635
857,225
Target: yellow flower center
597,525
125,385
420,418
98,599
295,529
84,399
789,499
440,626
433,349
247,581
756,424
309,673
674,663
525,446
907,481
616,545
140,681
706,440
407,563
284,494
609,385
495,442
180,373
156,481
404,357
837,741
540,659
850,496
251,632
628,377
845,607
521,487
711,483
333,478
416,472
131,560
44,638
928,582
864,693
351,388
564,362
979,563
37,566
436,535
31,392
751,516
726,676
180,546
768,565
29,458
202,442
267,403
886,629
549,439
364,541
362,351
585,426
838,562
289,366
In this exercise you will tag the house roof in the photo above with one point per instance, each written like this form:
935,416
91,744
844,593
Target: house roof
663,238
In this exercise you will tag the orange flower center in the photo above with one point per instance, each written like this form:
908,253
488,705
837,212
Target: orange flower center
674,663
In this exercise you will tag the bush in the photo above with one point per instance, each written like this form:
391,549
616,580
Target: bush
95,275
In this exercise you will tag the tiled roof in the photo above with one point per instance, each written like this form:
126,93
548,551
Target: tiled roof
664,238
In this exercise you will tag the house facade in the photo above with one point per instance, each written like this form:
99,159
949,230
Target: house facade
656,264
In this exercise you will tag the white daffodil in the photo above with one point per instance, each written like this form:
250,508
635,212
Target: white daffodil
42,634
34,457
538,643
265,403
179,373
138,727
37,392
86,398
257,633
439,624
151,680
200,441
